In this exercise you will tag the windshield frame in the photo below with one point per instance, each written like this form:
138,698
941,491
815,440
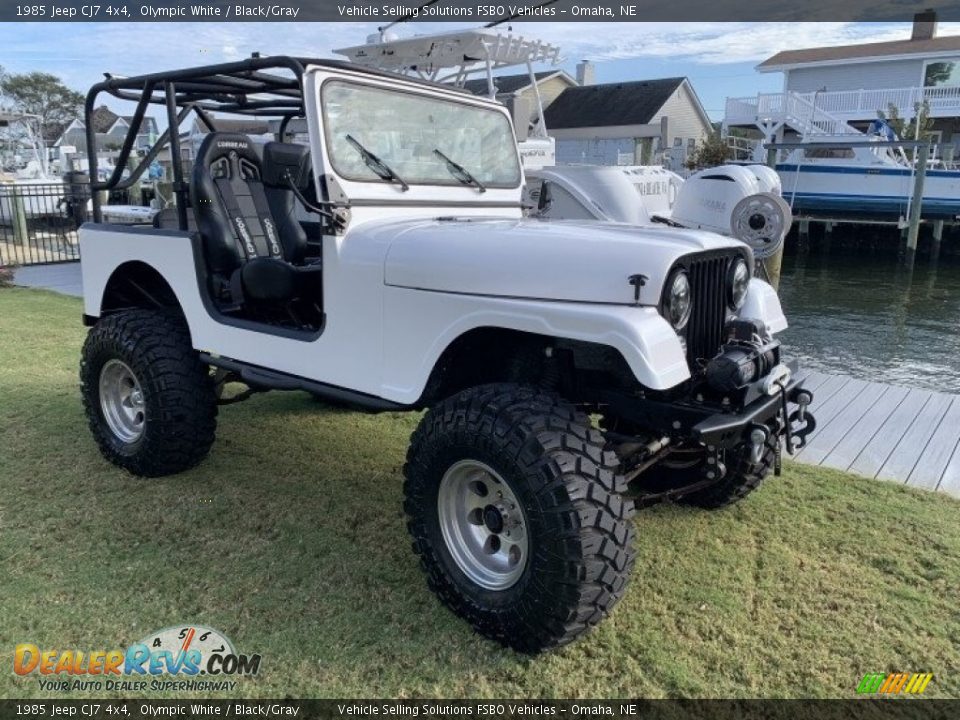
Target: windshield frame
452,182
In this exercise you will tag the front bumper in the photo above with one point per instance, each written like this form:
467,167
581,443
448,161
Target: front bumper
724,430
692,421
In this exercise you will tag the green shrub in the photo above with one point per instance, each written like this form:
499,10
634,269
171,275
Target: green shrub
6,275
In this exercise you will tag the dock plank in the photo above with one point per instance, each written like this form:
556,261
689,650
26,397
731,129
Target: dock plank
875,453
889,432
846,451
815,380
912,445
950,480
827,390
832,405
936,456
823,442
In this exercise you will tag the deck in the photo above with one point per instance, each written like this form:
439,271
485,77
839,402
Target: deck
887,432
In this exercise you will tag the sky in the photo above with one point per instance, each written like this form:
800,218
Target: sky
719,58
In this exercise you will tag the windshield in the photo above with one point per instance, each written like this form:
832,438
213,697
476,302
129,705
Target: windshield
414,136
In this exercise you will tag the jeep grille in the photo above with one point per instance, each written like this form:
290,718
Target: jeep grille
704,332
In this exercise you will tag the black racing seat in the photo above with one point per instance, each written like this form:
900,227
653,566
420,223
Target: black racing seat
254,246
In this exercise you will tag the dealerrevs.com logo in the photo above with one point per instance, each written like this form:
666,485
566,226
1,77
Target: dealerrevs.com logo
174,658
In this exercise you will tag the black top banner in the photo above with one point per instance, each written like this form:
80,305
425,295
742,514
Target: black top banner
470,11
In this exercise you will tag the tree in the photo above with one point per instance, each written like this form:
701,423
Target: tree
710,152
939,73
45,97
918,127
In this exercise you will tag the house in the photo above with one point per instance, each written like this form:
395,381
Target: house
110,129
607,124
628,123
841,89
508,88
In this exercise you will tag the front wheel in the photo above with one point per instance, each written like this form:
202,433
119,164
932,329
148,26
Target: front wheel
516,512
743,472
149,400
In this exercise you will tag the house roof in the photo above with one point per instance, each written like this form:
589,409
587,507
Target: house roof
103,119
628,103
507,84
864,51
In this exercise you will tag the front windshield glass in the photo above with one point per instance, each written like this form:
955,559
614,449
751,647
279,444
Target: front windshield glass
405,131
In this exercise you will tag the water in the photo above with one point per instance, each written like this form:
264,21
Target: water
871,317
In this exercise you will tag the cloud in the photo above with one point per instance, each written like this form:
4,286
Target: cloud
712,43
81,52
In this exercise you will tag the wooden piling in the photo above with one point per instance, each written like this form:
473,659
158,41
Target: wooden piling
774,263
916,205
937,231
21,232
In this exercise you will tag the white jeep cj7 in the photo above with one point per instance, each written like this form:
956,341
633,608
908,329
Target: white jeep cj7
568,370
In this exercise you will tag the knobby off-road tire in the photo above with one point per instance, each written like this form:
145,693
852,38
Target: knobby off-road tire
742,478
543,455
140,366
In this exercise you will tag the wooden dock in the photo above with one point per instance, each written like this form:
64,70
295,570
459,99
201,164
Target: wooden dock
888,432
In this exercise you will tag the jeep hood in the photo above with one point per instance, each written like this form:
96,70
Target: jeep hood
539,260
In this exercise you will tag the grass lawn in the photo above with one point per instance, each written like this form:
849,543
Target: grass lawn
291,540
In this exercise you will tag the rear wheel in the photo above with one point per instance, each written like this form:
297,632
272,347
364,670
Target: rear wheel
516,512
149,400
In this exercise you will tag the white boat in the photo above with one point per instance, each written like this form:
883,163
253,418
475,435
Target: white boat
867,179
31,190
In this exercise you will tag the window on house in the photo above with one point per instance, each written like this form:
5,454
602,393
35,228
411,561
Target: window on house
942,72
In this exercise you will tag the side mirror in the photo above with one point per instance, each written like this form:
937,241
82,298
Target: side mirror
544,201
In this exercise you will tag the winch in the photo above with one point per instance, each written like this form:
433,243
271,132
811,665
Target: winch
747,355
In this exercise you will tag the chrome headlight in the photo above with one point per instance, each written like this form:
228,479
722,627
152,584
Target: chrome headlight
678,302
738,280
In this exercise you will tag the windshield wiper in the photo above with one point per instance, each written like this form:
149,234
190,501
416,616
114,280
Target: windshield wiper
460,172
377,165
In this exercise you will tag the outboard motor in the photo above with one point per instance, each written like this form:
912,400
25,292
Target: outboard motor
739,201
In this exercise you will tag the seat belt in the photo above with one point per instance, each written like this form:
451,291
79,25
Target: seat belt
229,199
259,197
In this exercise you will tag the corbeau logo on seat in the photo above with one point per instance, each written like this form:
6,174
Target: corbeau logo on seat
267,224
245,236
232,144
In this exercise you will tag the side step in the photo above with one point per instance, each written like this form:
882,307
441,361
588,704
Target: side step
263,379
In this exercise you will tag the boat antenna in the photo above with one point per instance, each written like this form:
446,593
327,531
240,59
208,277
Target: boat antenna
406,16
518,13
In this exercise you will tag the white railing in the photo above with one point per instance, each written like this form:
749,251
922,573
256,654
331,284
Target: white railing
845,105
798,111
864,104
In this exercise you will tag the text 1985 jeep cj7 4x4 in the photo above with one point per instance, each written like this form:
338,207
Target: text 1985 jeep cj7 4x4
568,369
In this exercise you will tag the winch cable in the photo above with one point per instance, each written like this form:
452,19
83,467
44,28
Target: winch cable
787,432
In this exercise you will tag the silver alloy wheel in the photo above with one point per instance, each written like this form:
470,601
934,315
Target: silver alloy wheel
483,525
121,401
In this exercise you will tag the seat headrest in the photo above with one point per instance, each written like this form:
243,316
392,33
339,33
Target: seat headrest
280,158
218,145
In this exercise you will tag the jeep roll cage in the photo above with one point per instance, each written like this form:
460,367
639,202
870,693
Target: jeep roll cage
244,88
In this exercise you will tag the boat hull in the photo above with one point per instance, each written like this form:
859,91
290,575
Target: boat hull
869,192
32,198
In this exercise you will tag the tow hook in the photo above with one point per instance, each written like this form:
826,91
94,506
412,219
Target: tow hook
758,442
801,422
